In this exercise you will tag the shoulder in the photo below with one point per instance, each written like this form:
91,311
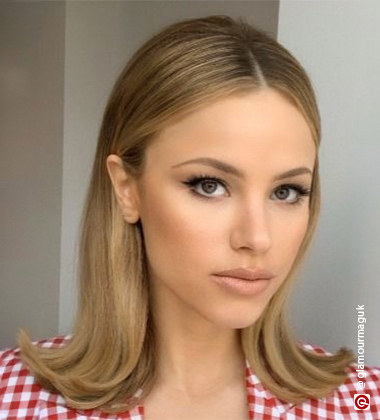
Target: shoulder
314,348
19,391
11,365
12,369
21,397
361,379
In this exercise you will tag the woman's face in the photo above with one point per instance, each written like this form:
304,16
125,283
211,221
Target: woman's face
194,228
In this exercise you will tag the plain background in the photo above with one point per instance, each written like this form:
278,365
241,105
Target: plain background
58,62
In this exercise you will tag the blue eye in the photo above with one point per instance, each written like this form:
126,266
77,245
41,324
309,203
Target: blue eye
209,184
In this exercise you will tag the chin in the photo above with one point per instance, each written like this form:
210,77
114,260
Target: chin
239,321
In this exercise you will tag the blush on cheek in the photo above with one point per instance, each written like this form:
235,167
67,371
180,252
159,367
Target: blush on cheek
170,235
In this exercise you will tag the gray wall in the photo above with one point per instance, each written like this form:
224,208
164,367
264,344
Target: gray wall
338,43
31,135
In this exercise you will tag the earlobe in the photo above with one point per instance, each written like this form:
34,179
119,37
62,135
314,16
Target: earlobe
124,188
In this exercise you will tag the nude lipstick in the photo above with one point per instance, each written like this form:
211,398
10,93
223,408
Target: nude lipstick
244,281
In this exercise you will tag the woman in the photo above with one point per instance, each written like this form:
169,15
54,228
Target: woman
190,246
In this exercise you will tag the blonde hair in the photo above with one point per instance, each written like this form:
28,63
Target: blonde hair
112,352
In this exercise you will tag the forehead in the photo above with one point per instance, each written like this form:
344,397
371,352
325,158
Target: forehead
250,125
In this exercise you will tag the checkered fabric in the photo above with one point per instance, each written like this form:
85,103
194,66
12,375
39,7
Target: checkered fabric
21,397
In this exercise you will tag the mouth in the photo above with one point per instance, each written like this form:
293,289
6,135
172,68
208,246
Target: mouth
249,274
243,287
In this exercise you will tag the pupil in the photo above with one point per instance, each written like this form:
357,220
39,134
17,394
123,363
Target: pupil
283,195
209,184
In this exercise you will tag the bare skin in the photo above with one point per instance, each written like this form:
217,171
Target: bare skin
246,222
168,404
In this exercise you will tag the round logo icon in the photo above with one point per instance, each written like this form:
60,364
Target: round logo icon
361,401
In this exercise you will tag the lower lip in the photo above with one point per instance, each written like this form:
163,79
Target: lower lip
241,286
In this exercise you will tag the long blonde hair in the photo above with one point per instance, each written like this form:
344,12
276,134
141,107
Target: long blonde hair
112,352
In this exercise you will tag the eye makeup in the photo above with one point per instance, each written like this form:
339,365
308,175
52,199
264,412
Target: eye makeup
198,180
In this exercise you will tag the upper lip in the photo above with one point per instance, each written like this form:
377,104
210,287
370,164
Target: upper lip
247,273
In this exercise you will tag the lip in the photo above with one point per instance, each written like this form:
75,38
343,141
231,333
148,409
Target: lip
241,286
252,274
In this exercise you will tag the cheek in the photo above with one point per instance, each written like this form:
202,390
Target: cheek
291,237
177,238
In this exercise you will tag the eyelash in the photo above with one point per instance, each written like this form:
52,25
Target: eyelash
193,181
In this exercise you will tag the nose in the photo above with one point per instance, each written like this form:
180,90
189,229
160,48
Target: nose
252,228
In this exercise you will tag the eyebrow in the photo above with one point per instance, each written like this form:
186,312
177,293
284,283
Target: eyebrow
226,167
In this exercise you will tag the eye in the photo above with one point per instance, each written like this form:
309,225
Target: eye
208,184
298,192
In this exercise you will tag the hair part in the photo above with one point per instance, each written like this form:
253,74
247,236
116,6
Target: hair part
112,353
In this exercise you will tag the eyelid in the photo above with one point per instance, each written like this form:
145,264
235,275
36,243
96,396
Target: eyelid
196,178
302,190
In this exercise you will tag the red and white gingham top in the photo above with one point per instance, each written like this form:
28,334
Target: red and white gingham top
21,397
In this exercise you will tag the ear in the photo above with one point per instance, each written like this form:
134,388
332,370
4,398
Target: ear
125,189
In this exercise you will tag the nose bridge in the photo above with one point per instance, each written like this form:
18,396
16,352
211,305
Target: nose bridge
252,227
